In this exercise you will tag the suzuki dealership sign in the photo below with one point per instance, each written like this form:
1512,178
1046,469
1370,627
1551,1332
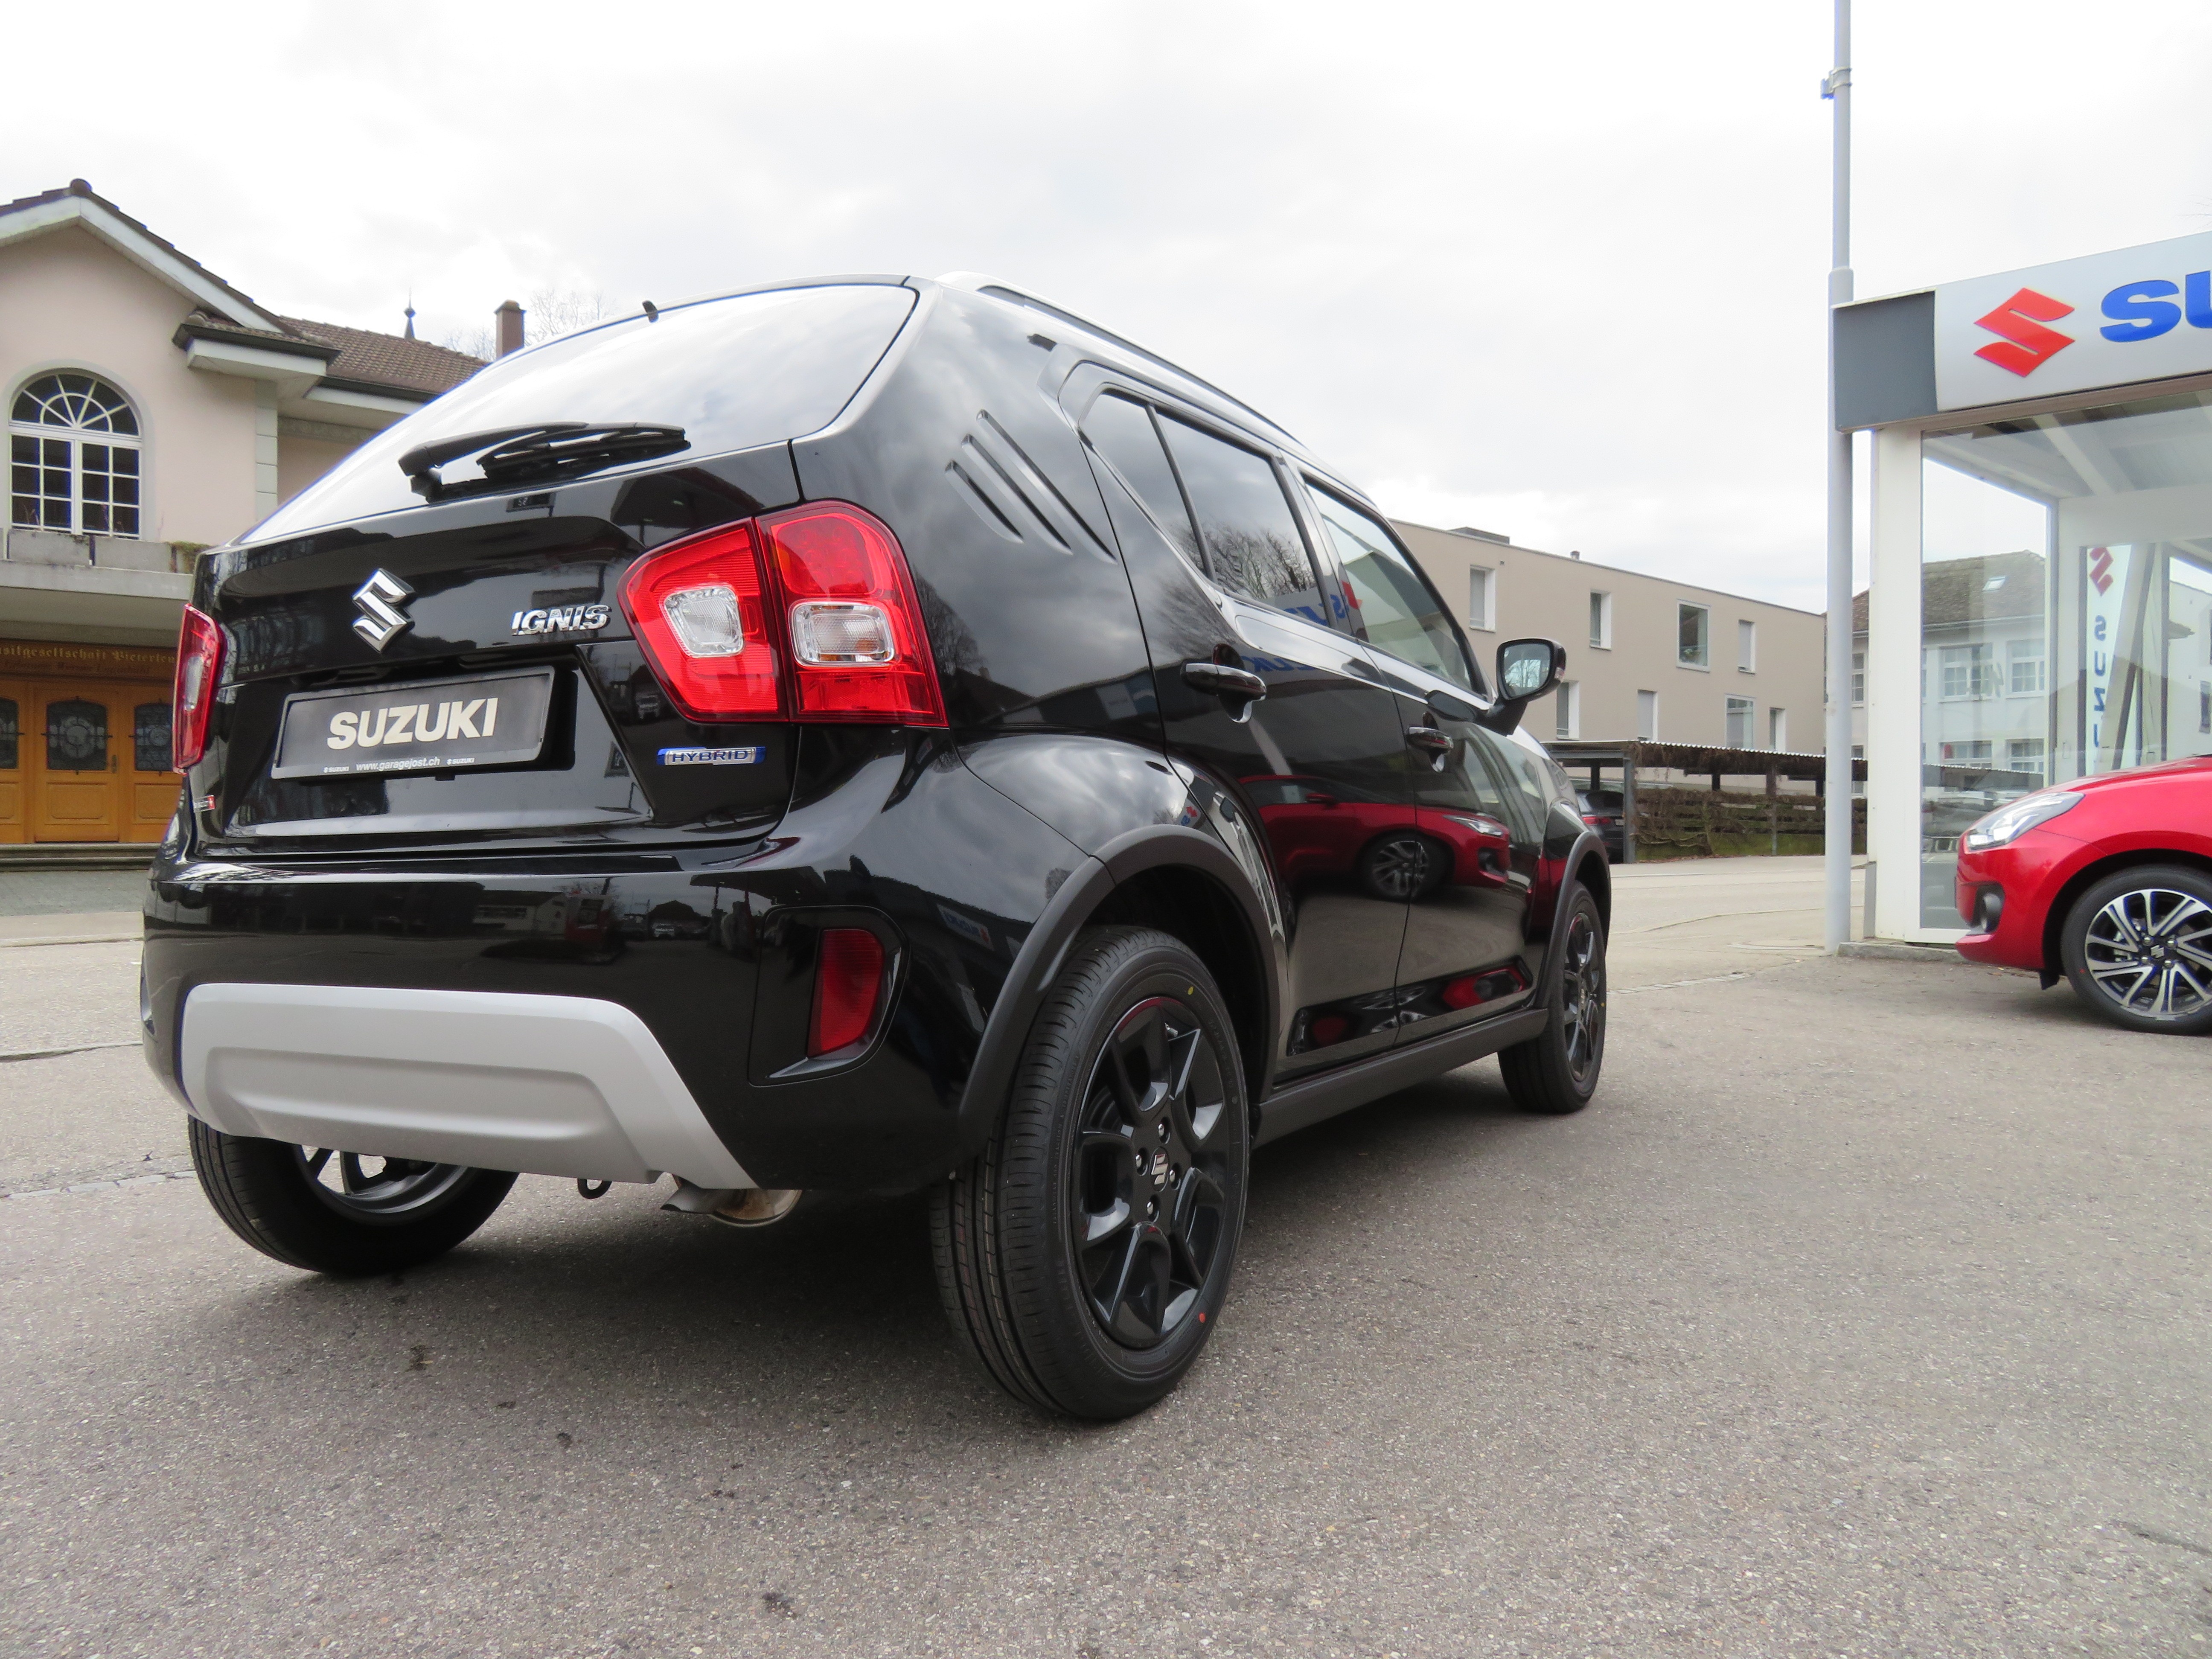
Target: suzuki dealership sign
2143,313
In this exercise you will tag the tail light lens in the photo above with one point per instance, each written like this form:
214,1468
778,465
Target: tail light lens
199,671
858,650
804,615
849,983
699,609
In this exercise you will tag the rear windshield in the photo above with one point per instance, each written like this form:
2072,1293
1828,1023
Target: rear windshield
735,373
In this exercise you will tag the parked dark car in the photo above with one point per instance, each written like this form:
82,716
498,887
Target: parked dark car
1602,809
2107,882
914,677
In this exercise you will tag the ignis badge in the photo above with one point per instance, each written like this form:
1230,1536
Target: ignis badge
750,757
562,619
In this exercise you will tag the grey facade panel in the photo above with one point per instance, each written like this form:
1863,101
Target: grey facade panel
1885,360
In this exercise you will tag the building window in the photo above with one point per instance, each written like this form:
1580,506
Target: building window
1481,597
149,736
1693,624
1601,622
10,730
2204,705
76,735
1972,753
1569,723
1647,716
1747,646
1858,679
1777,730
2025,668
73,457
2025,755
1740,712
1969,671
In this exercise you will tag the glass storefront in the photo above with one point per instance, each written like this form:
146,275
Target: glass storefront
2066,609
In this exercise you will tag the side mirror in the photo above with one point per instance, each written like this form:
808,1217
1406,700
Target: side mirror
1526,669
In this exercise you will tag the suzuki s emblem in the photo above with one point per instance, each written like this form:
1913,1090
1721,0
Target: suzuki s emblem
377,599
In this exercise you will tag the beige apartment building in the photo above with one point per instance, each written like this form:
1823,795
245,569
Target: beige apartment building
1647,658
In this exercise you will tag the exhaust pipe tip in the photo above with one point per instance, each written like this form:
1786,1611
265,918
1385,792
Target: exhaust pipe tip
734,1206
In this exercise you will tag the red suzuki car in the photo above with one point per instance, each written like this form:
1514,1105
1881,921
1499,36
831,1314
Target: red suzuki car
2107,881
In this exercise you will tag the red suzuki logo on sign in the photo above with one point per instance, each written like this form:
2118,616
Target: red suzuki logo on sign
2027,344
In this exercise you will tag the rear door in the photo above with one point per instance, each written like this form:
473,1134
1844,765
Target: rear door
1224,576
1466,953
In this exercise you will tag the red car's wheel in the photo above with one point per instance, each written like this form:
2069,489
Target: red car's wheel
2138,949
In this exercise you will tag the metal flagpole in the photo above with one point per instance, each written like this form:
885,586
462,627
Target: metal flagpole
1837,88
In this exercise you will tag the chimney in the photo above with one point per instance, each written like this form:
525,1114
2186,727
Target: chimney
507,320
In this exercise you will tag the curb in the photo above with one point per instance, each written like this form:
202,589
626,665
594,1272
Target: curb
1882,950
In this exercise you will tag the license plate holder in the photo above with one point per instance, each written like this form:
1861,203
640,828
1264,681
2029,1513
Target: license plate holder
476,720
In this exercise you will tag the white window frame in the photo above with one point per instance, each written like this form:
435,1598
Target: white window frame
1647,716
1482,597
75,435
1747,646
1731,707
1567,721
1858,680
1777,730
1978,676
1601,620
1702,664
2016,658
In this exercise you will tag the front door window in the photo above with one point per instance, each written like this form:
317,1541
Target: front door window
76,735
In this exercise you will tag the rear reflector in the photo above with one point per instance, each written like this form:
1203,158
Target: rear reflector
199,671
806,614
849,983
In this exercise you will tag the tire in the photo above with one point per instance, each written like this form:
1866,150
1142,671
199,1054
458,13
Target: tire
332,1212
1557,1073
2159,914
1075,1298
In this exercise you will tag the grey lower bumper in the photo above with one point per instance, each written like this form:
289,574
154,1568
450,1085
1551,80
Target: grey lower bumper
545,1086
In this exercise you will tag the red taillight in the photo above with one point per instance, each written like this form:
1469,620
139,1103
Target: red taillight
849,983
698,608
858,648
199,671
804,615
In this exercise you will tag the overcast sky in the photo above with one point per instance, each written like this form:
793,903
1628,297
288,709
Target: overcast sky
1551,270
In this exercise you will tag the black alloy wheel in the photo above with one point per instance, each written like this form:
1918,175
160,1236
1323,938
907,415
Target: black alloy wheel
1557,1072
1085,1257
2138,947
341,1213
1148,1205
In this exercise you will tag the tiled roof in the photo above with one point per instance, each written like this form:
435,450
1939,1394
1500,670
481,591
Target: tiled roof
1955,592
369,358
390,360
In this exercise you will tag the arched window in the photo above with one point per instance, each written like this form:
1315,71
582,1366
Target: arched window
73,456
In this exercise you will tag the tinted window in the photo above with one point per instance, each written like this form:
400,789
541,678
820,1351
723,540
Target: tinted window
1251,542
1121,431
1399,613
149,736
732,373
9,729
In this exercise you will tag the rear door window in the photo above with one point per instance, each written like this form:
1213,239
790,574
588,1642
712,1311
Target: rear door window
1392,604
1250,536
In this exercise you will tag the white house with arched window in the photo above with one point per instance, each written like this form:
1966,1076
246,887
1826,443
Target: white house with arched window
152,410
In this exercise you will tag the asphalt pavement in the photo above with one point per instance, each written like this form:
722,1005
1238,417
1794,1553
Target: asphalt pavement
1864,1313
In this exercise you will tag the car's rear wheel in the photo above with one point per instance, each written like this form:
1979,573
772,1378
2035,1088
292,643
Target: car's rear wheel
1557,1072
2138,948
1085,1257
340,1213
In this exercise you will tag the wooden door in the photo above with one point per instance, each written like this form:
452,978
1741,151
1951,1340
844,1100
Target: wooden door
75,770
149,787
15,724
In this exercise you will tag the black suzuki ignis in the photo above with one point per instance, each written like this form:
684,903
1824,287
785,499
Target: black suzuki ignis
868,735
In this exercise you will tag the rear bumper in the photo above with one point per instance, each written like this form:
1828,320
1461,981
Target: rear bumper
542,1085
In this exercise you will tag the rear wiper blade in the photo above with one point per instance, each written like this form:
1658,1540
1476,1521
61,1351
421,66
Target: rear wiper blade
516,456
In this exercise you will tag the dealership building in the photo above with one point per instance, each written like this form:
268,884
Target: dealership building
2039,606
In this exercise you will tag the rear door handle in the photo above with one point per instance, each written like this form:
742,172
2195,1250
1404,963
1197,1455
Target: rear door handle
1236,684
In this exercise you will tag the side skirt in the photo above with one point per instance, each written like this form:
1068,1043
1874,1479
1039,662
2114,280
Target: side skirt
1312,1099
